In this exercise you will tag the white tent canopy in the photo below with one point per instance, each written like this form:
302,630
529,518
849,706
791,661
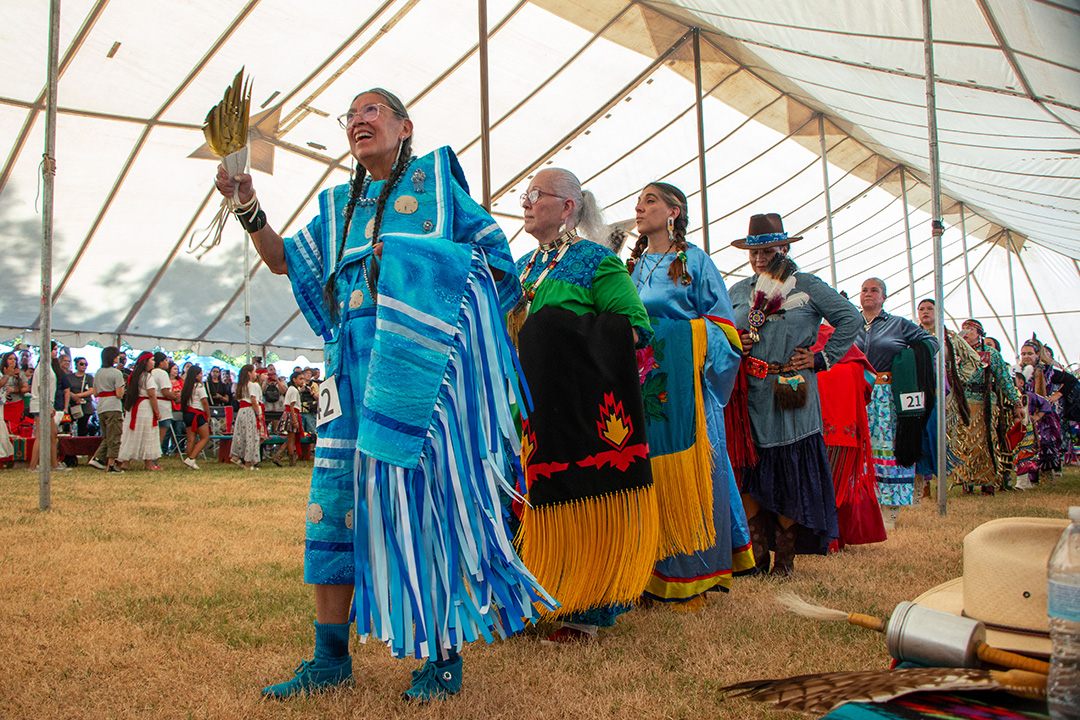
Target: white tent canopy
605,88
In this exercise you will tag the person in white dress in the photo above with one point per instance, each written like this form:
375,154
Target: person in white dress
196,403
140,439
246,440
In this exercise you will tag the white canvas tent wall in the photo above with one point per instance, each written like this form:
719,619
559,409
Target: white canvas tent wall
605,88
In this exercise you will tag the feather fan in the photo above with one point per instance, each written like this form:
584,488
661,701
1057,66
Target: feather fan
824,692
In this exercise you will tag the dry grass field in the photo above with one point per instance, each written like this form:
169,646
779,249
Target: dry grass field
178,594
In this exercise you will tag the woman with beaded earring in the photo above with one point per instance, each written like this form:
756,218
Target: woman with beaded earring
589,528
407,279
788,494
688,374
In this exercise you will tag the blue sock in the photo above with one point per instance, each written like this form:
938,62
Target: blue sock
331,641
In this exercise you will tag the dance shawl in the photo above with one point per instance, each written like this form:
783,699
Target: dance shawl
671,369
589,529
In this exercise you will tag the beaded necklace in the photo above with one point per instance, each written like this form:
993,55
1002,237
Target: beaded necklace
565,240
641,283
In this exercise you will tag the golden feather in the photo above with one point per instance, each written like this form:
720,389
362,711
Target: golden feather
226,125
824,692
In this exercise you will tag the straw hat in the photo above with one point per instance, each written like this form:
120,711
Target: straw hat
1004,583
765,231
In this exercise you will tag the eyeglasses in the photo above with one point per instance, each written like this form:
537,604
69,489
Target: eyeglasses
534,195
368,114
80,364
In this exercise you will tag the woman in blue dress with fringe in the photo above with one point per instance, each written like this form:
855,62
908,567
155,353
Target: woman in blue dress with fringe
406,279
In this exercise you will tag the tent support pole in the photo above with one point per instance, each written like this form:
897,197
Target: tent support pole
44,380
698,100
247,302
485,110
937,230
828,197
1012,293
967,269
907,237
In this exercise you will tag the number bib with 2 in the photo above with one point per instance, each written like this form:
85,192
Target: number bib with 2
329,407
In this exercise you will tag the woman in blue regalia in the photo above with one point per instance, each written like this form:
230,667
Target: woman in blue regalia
406,279
677,281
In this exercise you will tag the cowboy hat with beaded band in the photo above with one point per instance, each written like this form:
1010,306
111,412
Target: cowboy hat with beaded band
1004,582
765,231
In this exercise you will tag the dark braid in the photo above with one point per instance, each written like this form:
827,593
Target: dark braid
635,254
355,188
402,162
330,289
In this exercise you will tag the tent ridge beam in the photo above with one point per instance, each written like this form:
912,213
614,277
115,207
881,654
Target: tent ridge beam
599,113
547,81
39,104
192,74
338,51
1014,65
456,65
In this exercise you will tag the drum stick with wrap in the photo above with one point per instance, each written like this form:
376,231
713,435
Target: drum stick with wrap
921,635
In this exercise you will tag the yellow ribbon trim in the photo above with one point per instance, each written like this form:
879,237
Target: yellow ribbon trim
592,552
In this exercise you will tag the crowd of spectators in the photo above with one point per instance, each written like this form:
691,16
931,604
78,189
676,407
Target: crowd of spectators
88,404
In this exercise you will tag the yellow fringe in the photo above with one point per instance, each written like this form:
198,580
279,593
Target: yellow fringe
684,479
592,552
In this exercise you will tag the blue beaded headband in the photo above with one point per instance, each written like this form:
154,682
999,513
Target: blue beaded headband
752,240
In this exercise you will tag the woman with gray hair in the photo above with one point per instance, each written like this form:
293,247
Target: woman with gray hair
589,528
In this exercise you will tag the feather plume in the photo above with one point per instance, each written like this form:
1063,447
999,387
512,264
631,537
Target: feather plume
824,692
793,603
226,132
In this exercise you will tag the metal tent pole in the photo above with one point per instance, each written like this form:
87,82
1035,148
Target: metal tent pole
701,142
937,229
907,237
247,302
1012,293
485,110
967,269
45,427
828,197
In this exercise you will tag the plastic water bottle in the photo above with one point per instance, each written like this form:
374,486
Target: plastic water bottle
1063,606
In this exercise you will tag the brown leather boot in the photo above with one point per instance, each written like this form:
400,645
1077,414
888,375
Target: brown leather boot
784,564
759,543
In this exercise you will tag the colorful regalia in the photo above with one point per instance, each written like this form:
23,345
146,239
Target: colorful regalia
792,477
991,396
846,389
882,339
405,492
687,377
1027,451
589,529
1046,380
